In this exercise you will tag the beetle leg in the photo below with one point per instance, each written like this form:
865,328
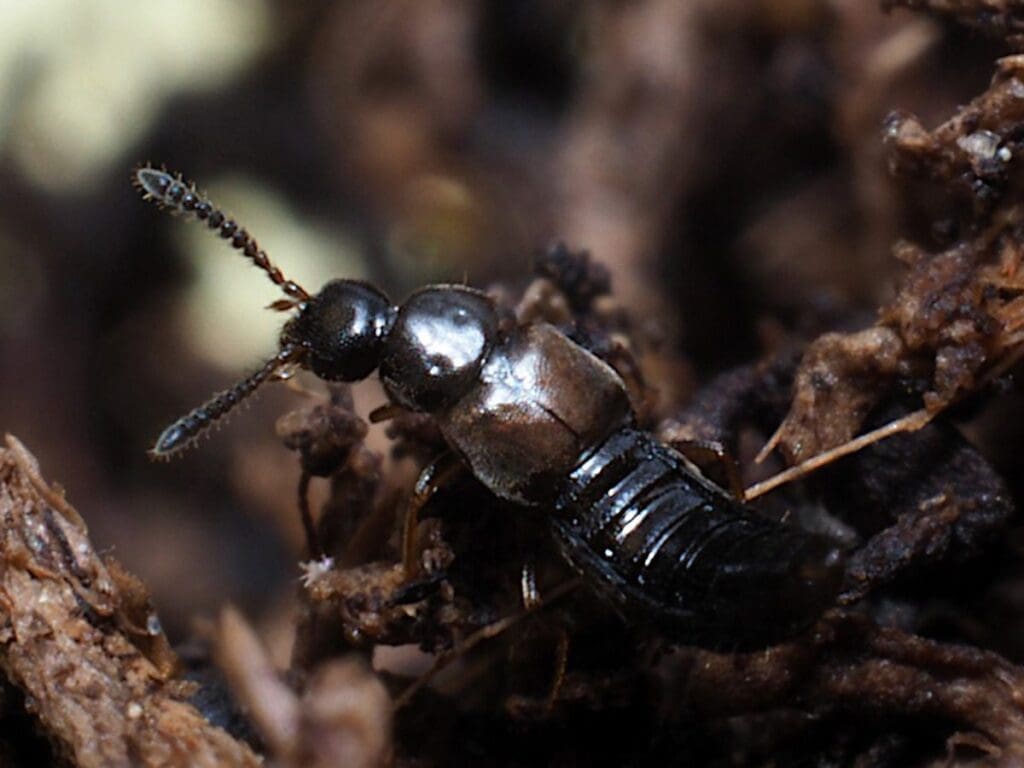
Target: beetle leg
532,600
440,472
528,586
714,460
561,662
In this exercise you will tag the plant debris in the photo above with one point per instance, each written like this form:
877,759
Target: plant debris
83,647
732,171
955,324
851,666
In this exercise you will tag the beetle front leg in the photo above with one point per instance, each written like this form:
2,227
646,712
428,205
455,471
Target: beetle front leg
436,475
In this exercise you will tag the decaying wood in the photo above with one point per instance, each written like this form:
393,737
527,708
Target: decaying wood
96,675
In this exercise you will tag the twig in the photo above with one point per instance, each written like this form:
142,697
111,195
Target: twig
909,423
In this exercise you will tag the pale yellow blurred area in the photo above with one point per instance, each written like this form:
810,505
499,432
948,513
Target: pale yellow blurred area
223,311
82,81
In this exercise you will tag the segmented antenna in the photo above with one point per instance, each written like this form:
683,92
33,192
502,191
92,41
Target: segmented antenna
183,433
173,193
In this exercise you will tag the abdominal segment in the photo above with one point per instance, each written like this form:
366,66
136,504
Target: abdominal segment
675,551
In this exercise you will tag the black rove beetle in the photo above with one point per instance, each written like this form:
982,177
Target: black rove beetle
542,422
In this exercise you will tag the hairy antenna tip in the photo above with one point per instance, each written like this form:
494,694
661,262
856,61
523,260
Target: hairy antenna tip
171,440
153,181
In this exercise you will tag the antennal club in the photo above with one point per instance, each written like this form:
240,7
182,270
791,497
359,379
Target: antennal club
173,193
183,432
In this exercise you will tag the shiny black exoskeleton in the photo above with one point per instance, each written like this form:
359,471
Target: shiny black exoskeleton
543,423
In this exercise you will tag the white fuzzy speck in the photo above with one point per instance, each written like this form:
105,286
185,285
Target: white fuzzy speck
314,570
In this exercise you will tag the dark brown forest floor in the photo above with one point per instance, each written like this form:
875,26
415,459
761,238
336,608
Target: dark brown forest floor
795,229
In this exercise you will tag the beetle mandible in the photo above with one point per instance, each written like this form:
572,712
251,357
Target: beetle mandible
543,423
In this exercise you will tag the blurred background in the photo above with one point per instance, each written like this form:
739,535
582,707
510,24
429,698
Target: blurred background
722,157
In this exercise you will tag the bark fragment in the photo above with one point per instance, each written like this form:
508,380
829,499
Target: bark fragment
99,684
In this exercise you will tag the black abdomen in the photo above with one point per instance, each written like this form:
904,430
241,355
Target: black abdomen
674,550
